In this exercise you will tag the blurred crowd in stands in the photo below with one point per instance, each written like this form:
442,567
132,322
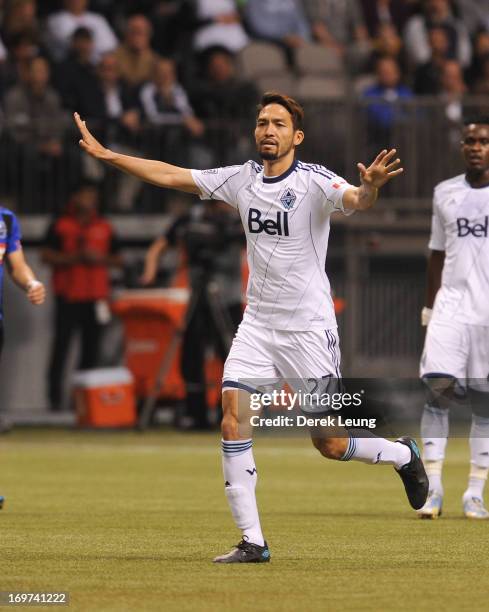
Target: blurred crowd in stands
170,78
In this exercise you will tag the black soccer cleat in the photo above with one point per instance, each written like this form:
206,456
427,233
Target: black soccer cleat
245,552
2,501
413,475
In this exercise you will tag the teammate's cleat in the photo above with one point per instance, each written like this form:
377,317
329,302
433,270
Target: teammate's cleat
413,475
245,552
2,501
432,507
474,509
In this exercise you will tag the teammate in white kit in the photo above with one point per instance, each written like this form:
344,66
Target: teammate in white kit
289,326
456,354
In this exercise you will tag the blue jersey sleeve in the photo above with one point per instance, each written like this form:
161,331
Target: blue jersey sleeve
13,240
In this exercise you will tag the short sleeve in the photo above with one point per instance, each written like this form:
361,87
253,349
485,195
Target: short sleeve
331,187
438,234
13,241
219,183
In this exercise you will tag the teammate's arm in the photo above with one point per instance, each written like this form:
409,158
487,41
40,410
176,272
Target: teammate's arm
24,277
380,171
435,269
151,171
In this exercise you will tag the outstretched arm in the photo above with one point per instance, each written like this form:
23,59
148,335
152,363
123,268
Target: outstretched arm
381,170
151,171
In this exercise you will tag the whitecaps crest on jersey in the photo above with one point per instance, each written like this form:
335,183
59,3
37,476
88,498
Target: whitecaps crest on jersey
288,198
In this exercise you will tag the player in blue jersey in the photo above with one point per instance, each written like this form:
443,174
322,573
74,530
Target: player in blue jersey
12,256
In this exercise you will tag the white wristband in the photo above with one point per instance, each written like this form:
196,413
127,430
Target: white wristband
32,284
426,316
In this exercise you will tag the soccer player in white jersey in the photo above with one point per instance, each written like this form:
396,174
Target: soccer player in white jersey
455,359
289,326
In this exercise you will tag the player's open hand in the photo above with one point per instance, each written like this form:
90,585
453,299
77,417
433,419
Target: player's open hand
381,170
36,293
88,142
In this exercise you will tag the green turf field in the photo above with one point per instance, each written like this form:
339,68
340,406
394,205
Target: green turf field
130,522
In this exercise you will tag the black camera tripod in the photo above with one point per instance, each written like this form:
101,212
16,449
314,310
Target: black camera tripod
203,288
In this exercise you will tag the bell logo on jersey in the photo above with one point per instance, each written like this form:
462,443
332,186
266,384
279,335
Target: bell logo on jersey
280,227
478,230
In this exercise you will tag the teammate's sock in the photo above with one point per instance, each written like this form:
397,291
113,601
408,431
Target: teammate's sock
477,480
240,481
434,434
377,450
479,457
433,470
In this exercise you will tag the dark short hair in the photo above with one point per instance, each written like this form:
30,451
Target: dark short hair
292,106
476,120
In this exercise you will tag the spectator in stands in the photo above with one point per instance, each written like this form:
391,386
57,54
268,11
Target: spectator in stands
427,78
387,43
339,25
282,22
117,104
35,123
80,246
137,60
474,13
452,90
75,77
120,115
174,22
416,33
226,101
23,49
61,25
480,86
382,111
33,114
219,25
480,52
165,102
381,12
221,93
21,19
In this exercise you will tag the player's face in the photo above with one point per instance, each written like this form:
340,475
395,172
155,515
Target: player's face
475,147
274,133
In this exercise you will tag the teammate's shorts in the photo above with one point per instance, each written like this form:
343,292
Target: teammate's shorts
457,350
262,358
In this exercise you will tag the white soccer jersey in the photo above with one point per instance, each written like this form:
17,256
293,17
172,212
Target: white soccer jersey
286,220
460,227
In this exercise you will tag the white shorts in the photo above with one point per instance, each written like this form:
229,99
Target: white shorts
457,350
265,358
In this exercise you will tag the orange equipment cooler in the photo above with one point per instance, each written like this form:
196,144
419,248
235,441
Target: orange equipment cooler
104,397
151,318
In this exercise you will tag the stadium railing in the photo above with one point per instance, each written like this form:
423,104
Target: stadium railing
426,132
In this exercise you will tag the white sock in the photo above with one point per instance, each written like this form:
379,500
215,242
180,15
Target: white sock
240,481
479,457
434,433
433,471
377,450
